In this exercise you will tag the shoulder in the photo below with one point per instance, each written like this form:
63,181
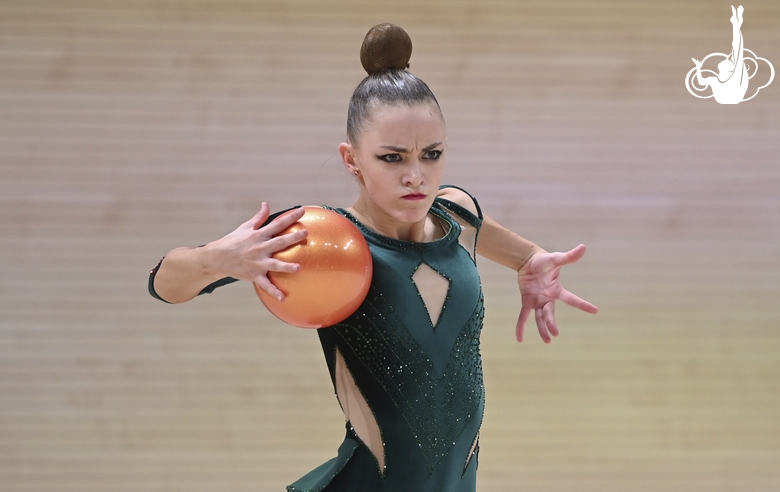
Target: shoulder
460,197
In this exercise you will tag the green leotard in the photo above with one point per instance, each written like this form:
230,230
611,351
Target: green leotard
422,382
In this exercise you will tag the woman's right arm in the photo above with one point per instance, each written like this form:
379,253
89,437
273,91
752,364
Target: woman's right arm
244,254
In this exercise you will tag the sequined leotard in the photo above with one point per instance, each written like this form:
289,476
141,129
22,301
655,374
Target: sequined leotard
411,356
421,378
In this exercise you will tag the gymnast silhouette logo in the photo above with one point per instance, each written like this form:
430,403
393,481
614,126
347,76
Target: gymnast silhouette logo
730,84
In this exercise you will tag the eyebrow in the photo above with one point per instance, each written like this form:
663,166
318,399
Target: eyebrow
404,150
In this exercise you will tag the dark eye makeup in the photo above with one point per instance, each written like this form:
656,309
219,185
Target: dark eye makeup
390,157
432,155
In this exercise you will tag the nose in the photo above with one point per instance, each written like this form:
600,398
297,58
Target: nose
413,176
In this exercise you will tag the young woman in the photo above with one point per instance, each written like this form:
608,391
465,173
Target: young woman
405,366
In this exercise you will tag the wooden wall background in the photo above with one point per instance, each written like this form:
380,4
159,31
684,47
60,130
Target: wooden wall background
130,127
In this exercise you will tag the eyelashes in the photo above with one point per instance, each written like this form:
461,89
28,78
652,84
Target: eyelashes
390,157
394,157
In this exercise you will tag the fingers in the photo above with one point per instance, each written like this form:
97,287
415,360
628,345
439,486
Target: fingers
545,316
577,302
277,225
545,322
274,265
542,326
521,320
570,256
259,218
283,221
557,260
265,284
279,243
541,289
548,313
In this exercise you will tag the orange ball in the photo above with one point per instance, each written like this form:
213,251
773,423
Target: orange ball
335,273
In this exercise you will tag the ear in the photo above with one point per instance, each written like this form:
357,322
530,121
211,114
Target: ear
347,152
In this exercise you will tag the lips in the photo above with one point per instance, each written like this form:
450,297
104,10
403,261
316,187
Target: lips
414,196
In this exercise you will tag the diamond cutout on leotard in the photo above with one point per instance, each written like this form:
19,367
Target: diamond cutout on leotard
433,288
439,404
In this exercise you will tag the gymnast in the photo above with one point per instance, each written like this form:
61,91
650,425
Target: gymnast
406,366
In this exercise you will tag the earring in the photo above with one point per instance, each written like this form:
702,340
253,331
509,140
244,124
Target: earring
356,173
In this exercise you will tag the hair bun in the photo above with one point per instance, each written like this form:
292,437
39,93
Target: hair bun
385,47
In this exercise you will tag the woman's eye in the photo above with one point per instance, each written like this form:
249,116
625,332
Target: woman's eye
433,155
391,157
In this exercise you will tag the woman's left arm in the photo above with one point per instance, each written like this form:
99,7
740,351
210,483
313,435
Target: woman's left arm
537,270
537,275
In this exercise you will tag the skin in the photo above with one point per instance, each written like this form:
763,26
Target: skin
398,162
244,254
401,152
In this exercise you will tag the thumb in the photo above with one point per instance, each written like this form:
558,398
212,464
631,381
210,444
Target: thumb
259,218
571,256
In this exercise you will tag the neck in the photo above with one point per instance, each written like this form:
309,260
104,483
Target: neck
386,225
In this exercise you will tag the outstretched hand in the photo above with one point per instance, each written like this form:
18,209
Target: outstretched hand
540,288
246,253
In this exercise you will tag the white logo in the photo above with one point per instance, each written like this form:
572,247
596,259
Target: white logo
730,84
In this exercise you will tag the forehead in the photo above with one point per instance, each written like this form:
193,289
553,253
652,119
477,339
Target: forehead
404,123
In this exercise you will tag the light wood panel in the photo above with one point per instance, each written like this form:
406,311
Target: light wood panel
127,129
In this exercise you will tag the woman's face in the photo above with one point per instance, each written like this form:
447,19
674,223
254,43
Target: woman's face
399,159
